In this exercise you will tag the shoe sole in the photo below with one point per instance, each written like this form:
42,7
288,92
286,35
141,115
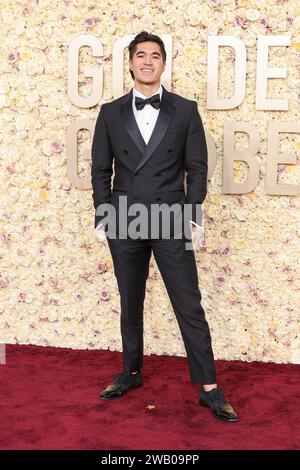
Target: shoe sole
232,420
119,396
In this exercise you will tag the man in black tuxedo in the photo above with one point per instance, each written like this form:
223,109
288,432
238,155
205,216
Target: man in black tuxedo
153,137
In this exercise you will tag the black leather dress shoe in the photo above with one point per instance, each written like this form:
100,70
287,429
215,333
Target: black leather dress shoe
123,382
220,407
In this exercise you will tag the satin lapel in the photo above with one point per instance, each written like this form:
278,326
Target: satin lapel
131,124
164,118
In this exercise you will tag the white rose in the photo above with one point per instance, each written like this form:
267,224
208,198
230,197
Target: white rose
252,15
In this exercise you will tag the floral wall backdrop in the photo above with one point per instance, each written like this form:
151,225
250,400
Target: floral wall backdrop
57,284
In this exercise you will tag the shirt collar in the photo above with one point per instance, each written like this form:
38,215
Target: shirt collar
140,95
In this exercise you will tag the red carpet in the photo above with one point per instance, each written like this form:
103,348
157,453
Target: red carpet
49,400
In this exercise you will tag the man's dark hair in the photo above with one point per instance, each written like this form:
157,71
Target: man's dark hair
143,37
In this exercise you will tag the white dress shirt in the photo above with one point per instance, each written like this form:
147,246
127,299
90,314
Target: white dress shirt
146,120
146,117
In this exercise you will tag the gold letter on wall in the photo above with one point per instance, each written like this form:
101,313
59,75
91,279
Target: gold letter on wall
96,73
275,158
247,155
263,72
214,42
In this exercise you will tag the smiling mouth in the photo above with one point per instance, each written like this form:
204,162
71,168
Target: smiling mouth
147,71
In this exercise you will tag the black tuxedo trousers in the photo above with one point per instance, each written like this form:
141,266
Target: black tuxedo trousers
178,269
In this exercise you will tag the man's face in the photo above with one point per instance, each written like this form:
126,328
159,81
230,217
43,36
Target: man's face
147,63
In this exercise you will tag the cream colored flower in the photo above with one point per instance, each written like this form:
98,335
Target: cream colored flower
241,244
46,147
194,19
212,211
252,14
191,32
250,40
273,23
169,17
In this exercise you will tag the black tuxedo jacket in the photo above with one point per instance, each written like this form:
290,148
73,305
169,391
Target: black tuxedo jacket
152,173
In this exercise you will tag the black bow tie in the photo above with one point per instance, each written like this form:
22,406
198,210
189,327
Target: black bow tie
153,100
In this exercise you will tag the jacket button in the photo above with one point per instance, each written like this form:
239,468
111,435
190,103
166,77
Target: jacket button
170,150
125,151
158,199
